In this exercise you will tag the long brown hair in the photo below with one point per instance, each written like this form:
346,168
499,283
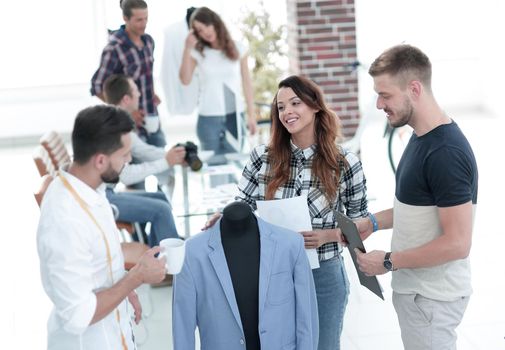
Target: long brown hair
328,158
225,43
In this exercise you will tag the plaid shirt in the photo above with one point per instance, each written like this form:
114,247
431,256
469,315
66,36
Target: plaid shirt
351,198
122,56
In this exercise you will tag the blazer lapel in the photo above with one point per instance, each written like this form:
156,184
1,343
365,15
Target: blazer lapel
218,260
266,259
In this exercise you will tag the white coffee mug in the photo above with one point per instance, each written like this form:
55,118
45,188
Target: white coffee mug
151,123
174,250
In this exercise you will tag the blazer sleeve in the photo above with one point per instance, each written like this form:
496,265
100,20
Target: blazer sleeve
307,321
184,309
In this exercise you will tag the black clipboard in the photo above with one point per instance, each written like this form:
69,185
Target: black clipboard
350,231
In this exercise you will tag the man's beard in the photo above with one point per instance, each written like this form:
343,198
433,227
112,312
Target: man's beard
405,114
111,176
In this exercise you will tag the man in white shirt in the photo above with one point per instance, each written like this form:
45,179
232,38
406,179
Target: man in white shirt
81,262
121,91
141,206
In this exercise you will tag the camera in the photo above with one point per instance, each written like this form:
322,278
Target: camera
191,157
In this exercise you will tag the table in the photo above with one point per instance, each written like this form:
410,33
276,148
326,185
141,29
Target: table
210,189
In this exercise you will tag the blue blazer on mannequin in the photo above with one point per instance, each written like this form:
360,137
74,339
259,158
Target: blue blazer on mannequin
203,294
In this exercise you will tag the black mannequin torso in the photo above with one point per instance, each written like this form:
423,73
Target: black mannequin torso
241,243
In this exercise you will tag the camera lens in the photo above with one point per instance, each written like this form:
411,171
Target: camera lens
192,156
194,162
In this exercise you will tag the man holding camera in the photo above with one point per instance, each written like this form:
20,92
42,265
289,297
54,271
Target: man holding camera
191,157
121,91
141,206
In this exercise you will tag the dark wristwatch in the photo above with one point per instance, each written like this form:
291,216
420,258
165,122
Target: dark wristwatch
388,264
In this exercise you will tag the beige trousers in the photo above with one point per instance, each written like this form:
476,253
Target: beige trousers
428,324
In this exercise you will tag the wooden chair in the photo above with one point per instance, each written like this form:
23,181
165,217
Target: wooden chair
43,161
46,180
55,147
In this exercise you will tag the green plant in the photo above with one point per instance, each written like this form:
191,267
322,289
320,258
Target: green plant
267,49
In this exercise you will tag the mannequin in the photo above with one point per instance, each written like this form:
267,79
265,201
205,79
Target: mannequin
241,243
245,284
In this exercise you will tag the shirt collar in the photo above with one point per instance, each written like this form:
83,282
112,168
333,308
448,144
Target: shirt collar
90,196
302,154
121,33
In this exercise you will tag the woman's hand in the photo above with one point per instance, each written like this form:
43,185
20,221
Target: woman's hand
252,125
315,239
188,63
212,220
191,40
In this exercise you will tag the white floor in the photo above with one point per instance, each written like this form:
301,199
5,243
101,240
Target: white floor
370,323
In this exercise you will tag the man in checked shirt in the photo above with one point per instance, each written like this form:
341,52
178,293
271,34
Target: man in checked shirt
130,52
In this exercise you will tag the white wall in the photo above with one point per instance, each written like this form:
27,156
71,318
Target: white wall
459,36
52,48
59,42
493,61
56,45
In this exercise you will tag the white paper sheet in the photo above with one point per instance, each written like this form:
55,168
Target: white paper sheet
290,213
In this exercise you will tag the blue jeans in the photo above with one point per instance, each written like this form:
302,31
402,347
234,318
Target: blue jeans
143,207
332,290
156,138
211,132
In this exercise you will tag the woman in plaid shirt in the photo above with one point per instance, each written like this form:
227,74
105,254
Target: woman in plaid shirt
303,158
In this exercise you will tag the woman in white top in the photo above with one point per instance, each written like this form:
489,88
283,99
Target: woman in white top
222,67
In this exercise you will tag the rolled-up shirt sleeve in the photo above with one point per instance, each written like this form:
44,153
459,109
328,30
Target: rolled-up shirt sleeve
67,273
353,188
133,173
248,185
152,161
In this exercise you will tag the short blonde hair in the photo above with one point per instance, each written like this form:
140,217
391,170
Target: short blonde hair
404,62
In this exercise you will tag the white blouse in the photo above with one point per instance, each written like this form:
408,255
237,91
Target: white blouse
215,71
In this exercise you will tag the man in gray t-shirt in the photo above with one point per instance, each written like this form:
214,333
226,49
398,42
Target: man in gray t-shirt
433,213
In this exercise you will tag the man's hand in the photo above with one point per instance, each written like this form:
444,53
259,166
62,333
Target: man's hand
175,155
138,117
151,269
315,239
156,100
133,298
365,227
212,220
371,263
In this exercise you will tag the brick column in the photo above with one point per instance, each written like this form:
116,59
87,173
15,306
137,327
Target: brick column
322,43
